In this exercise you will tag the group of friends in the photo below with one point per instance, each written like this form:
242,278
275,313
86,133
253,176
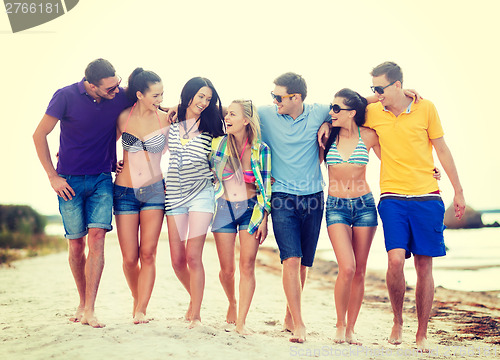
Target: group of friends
229,169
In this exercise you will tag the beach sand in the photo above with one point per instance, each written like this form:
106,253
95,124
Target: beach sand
38,295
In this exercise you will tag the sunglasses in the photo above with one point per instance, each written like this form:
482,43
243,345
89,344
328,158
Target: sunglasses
336,108
279,98
380,89
251,108
113,88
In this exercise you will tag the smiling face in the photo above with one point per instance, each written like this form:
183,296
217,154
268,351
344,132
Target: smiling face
390,92
108,87
235,120
152,97
287,105
199,102
344,117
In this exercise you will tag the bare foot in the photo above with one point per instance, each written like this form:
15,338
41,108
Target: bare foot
288,323
243,330
231,313
423,345
140,318
396,337
339,335
78,315
194,323
92,321
350,338
298,335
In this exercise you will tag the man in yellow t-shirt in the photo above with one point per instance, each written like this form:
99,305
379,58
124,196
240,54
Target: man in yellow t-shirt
410,207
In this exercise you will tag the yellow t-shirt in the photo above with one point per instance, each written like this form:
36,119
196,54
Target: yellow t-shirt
406,163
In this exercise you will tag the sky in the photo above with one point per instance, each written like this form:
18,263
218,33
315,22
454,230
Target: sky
449,51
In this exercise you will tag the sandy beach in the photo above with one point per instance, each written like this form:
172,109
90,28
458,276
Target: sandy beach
38,295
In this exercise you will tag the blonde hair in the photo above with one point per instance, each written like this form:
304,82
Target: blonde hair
253,133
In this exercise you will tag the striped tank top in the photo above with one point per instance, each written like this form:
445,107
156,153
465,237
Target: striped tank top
188,170
359,156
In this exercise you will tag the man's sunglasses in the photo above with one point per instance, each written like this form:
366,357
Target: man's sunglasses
380,89
279,98
113,88
336,108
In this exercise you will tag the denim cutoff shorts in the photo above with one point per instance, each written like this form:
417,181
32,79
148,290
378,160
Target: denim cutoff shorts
296,224
91,207
128,200
359,211
231,215
204,201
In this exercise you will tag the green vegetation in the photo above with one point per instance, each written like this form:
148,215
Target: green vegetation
22,233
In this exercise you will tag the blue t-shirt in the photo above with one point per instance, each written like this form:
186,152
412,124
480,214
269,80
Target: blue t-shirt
294,148
88,130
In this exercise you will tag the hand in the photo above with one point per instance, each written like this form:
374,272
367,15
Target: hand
413,94
62,188
459,205
261,232
324,134
171,113
437,174
119,167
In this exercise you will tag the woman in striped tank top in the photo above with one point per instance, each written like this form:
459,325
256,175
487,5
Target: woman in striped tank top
351,215
190,200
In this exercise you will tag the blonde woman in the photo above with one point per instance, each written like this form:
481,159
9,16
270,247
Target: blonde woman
242,165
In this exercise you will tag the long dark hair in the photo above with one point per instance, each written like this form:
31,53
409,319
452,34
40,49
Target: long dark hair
211,119
140,80
354,101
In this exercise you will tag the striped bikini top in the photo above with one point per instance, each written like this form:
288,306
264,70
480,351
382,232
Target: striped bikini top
132,143
359,156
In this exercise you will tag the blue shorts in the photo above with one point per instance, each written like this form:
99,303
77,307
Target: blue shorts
413,223
128,200
91,207
359,211
233,215
296,224
203,202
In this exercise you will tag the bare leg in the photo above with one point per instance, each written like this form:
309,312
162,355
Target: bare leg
127,227
361,243
396,286
293,291
225,249
151,223
77,259
93,272
424,297
288,322
341,239
248,253
177,235
198,226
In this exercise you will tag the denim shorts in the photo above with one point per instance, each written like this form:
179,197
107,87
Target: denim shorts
203,202
414,224
359,211
231,215
91,207
296,224
128,200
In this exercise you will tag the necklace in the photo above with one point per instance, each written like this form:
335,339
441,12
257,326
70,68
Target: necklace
186,131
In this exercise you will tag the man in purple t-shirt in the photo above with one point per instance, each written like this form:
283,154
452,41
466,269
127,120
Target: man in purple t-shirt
87,112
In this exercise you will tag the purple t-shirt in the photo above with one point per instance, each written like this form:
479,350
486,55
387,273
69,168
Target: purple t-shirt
88,130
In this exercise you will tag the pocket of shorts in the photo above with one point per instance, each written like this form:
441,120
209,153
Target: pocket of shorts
119,193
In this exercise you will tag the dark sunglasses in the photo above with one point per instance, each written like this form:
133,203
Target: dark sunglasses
112,89
279,98
380,89
336,108
251,108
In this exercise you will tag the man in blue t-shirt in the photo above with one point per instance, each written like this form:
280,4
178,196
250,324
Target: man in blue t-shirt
87,112
290,129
